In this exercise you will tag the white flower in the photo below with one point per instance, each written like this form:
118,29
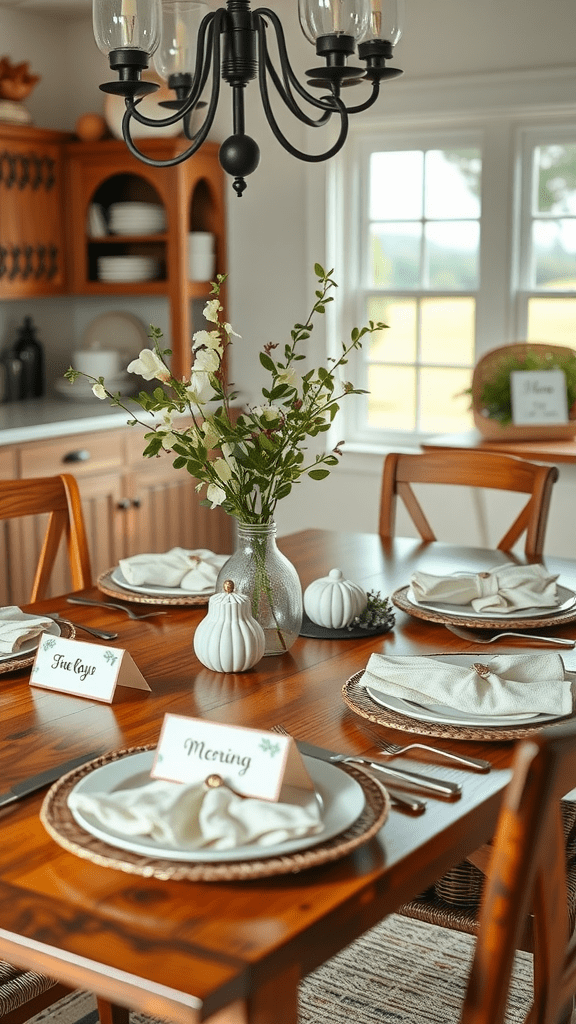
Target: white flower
209,339
266,412
228,329
98,390
215,494
287,377
149,366
210,433
200,388
222,469
211,310
207,359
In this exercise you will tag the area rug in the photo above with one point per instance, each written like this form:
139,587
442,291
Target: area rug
400,972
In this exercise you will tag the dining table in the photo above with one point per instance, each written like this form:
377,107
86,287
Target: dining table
234,950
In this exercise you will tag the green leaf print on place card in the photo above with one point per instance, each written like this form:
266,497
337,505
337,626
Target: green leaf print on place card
78,668
191,749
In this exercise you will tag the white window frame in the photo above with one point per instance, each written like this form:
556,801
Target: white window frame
504,110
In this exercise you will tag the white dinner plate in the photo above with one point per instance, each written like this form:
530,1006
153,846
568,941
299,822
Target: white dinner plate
122,331
440,714
31,645
342,803
151,590
566,601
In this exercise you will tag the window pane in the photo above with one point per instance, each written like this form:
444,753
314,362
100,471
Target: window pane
397,344
395,255
453,183
554,253
444,409
447,331
392,398
552,320
555,172
452,255
396,185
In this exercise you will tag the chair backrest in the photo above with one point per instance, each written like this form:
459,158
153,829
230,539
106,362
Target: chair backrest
469,469
527,873
59,497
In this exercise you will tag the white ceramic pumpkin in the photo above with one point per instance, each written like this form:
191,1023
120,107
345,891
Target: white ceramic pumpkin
333,601
229,639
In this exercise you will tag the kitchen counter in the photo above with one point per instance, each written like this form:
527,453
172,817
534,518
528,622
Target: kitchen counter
42,418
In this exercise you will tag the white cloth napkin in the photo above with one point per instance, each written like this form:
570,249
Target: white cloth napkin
192,571
507,684
194,817
507,588
18,627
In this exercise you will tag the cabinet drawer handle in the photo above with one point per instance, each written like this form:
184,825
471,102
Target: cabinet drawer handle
124,503
81,455
136,502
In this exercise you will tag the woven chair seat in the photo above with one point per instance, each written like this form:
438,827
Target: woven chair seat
18,987
454,900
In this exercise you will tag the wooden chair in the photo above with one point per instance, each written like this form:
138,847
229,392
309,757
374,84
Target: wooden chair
58,496
470,469
526,875
25,993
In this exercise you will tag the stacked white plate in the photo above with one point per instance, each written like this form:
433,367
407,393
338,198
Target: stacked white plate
136,218
201,255
128,268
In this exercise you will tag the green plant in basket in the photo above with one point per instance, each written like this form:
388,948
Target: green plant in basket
496,392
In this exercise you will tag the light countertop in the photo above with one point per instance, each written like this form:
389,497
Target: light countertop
41,418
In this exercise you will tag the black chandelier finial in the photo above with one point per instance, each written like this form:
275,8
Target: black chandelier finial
192,45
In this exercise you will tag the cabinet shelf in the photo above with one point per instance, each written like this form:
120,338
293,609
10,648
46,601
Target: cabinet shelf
192,194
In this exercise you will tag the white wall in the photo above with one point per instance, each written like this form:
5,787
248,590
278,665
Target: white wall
269,227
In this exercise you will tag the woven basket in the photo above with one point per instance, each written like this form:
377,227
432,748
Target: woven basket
491,429
462,885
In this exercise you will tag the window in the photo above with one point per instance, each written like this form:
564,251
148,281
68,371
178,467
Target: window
461,241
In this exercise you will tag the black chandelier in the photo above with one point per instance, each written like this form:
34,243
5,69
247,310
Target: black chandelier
191,44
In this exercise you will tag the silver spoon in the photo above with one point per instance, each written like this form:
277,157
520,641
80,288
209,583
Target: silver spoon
487,636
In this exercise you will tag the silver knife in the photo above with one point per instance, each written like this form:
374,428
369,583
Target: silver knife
435,787
35,782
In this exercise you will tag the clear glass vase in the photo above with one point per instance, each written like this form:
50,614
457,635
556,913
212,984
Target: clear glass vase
259,569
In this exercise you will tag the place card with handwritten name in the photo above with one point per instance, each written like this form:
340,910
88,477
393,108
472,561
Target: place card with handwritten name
253,762
538,396
84,669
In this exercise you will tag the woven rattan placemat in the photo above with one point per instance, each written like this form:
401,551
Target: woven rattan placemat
400,599
106,584
59,823
359,701
66,630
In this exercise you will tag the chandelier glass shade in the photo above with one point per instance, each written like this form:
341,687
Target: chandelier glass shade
194,48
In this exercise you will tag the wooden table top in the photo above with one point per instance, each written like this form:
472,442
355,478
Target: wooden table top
536,451
184,950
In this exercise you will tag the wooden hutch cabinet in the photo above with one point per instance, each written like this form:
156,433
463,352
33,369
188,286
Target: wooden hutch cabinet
131,504
31,212
192,194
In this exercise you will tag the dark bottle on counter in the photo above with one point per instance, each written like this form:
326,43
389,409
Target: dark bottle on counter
11,377
29,351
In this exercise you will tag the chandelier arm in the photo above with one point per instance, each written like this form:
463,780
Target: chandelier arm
286,95
326,103
200,136
308,157
210,25
371,99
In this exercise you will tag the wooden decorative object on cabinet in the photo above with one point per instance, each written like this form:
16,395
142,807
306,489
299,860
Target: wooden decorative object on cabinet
130,504
31,212
192,194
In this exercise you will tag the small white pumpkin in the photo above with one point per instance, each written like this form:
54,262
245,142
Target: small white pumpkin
229,639
334,602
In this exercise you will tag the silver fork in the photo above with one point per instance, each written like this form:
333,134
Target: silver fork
112,604
394,749
102,634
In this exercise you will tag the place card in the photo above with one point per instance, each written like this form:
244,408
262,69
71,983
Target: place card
253,762
84,669
538,397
